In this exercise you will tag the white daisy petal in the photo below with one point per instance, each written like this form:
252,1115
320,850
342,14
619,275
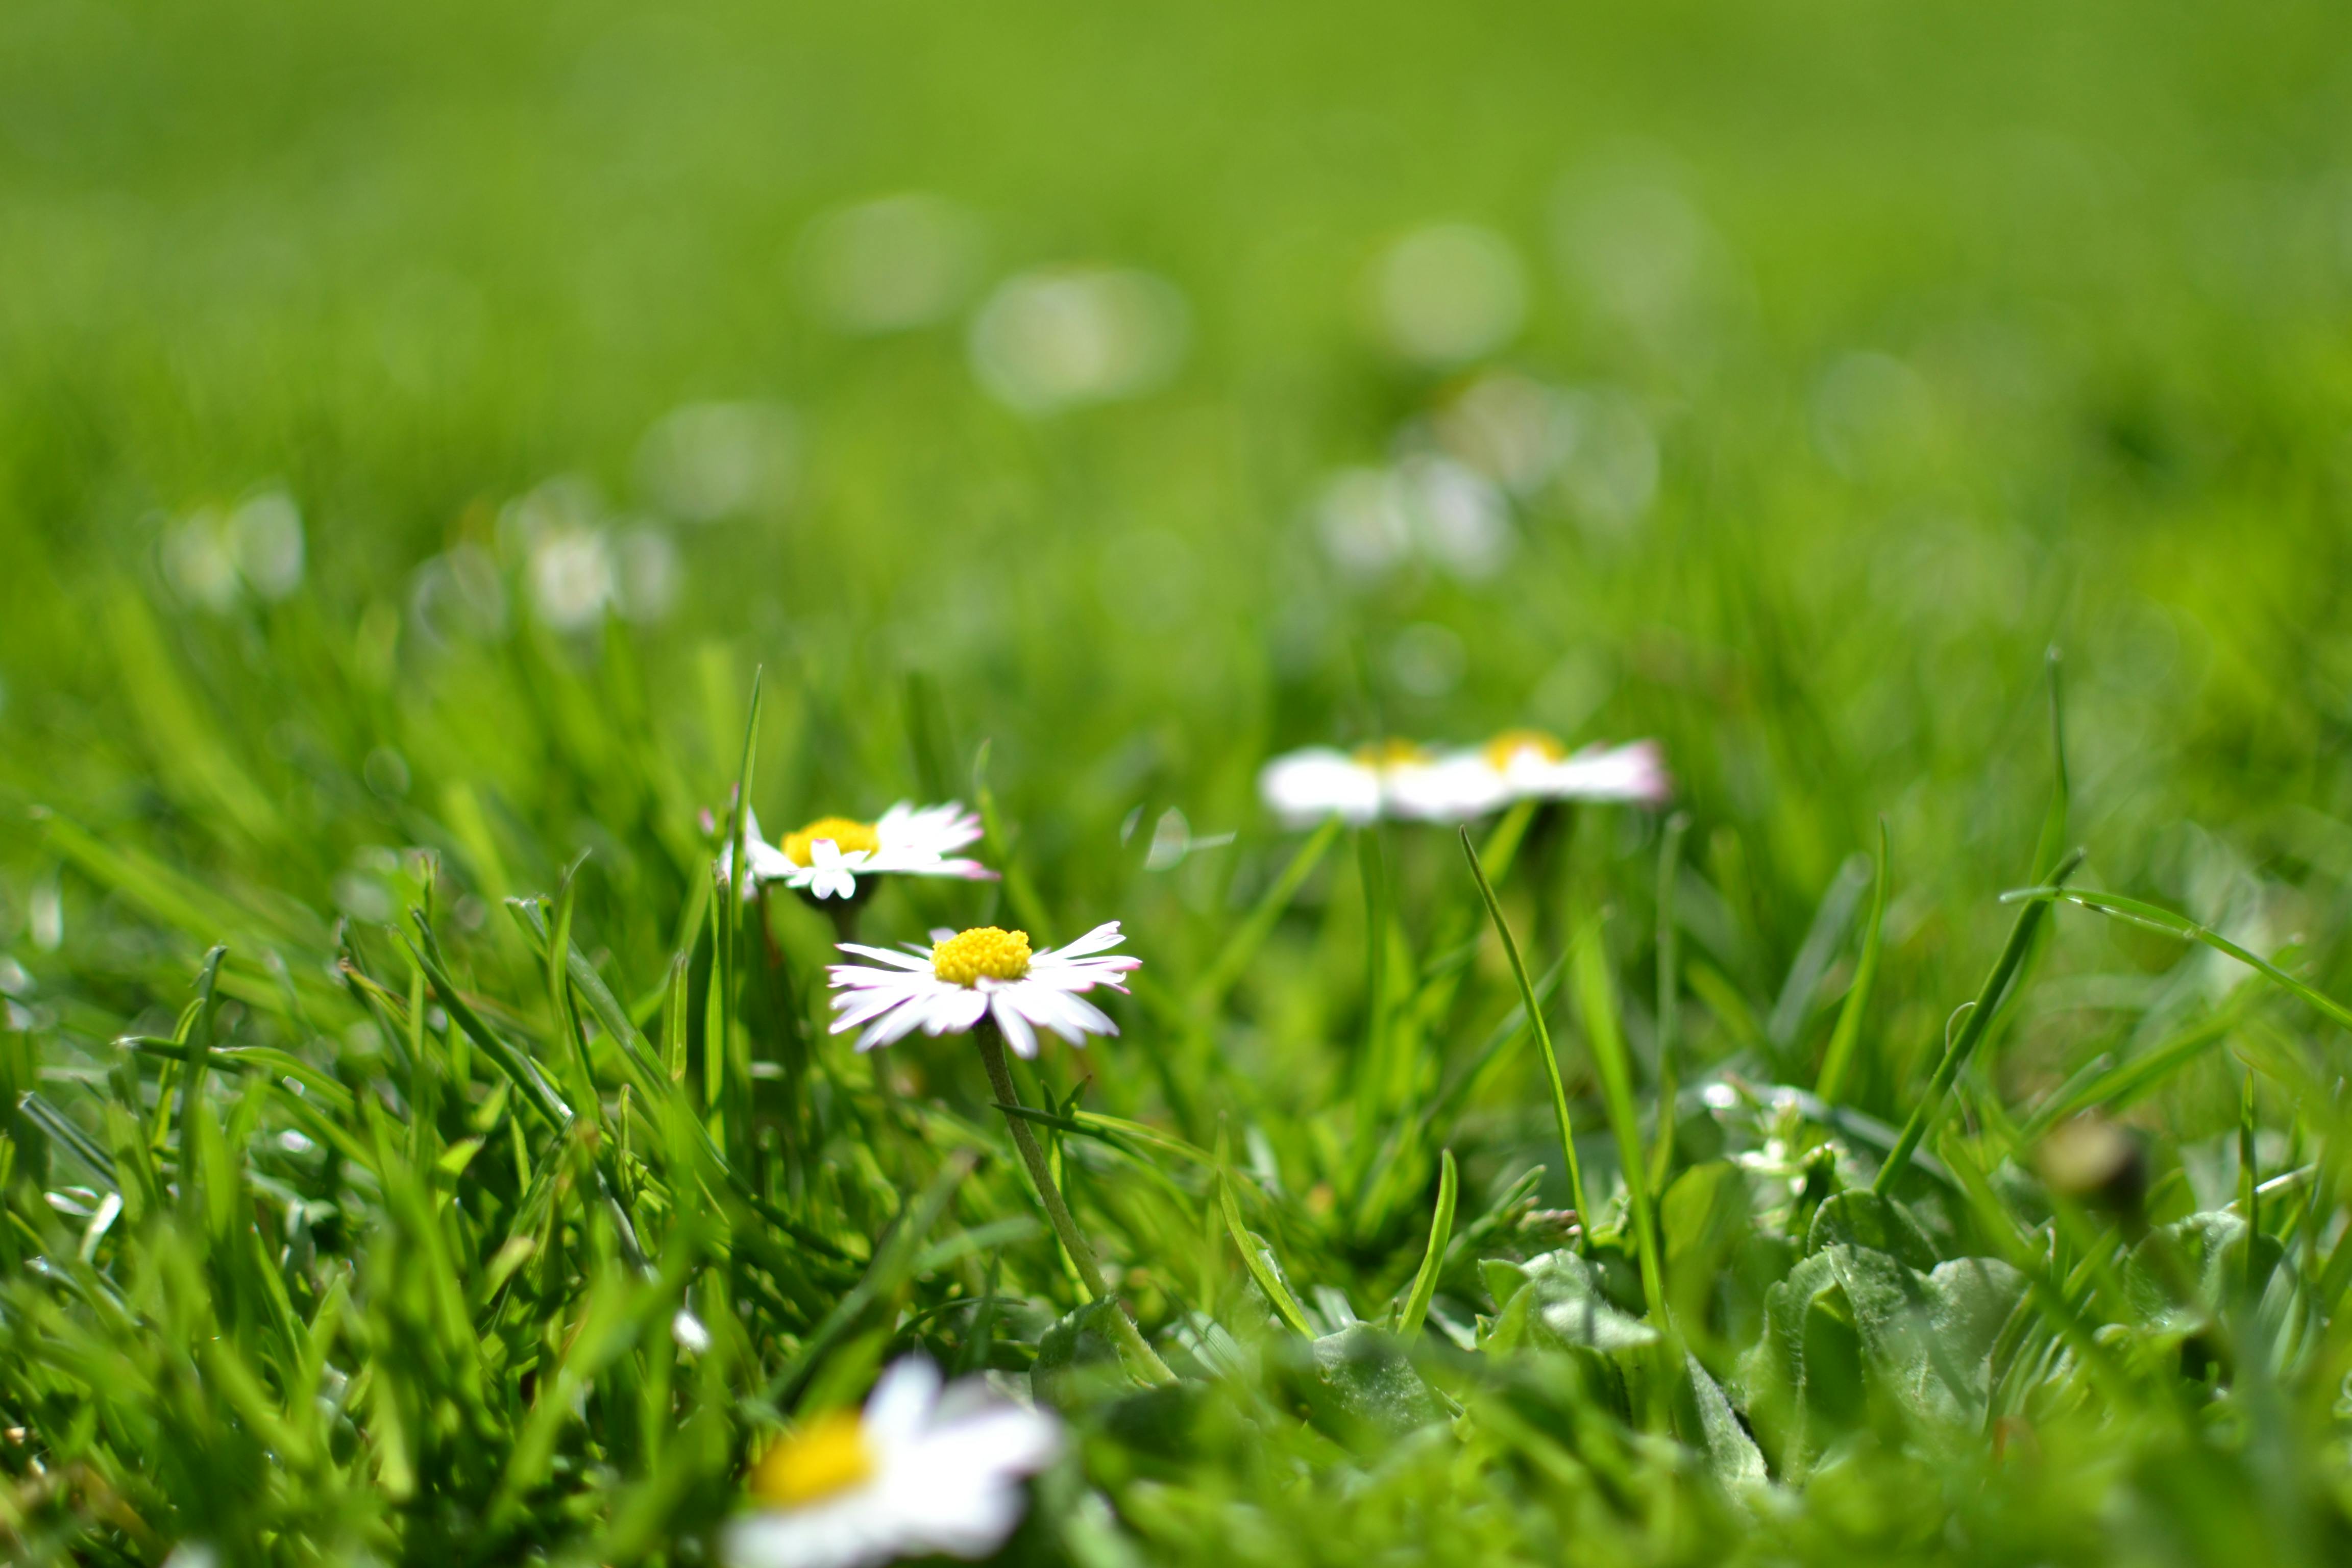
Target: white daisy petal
946,1477
1304,787
1103,937
890,955
1017,1032
902,1401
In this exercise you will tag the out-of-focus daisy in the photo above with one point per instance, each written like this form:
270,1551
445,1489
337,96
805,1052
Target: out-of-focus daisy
825,858
1392,778
1399,780
987,972
1528,764
920,1470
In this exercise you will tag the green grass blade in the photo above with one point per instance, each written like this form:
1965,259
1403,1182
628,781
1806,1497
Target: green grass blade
1543,1039
1254,1258
1670,1008
1596,997
1441,1231
1837,1061
2053,842
1958,1051
2154,917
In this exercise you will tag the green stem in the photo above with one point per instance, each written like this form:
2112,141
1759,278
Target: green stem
1979,1019
1041,1176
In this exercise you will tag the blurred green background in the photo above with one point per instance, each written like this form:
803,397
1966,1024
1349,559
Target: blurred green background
416,425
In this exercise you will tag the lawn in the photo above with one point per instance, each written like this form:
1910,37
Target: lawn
459,463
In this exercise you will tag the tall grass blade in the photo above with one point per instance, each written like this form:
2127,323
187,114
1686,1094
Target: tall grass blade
1837,1061
1533,1007
1962,1046
1441,1231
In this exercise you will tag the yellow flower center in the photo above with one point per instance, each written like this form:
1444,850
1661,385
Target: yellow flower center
847,836
992,951
1391,754
1507,746
825,1457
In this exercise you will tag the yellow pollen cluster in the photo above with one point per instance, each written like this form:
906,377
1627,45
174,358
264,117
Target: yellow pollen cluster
1503,748
990,951
1391,754
847,836
827,1456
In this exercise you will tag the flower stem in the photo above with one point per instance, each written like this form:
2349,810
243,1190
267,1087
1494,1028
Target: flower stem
1041,1176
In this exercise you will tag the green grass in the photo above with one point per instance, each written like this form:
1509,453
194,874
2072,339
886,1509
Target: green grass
380,1074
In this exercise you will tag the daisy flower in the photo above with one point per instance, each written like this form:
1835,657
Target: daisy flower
1393,778
825,858
985,973
1401,780
920,1470
1528,764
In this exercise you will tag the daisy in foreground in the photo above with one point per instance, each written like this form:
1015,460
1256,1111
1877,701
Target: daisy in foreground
824,859
1405,781
920,1470
990,983
987,972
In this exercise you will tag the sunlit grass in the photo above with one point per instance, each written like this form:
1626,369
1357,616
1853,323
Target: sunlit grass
456,466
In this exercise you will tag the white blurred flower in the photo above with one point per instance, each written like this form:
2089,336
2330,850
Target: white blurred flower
1362,522
1411,783
920,1470
1064,337
265,538
1371,519
1528,764
571,576
197,561
689,1332
986,972
1448,293
1510,427
710,460
891,263
825,858
1459,519
1393,778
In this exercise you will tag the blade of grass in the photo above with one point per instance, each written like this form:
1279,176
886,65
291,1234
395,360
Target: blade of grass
1543,1040
1837,1061
1670,861
2123,1082
1958,1051
2052,842
1596,997
2154,917
1441,1231
1286,1306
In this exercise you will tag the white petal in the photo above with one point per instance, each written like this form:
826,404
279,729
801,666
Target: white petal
1017,1032
889,956
1456,787
855,1530
1102,938
1001,1436
1306,787
957,1013
901,1402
